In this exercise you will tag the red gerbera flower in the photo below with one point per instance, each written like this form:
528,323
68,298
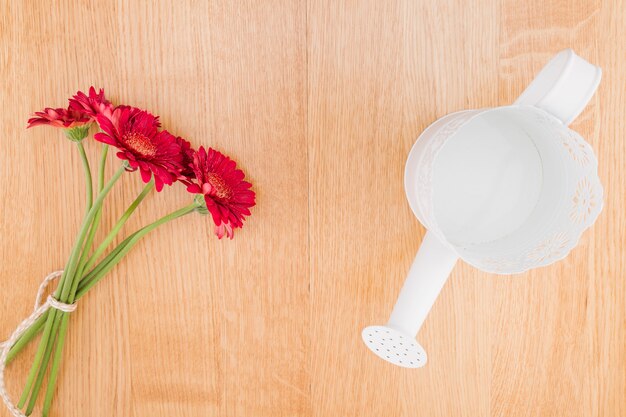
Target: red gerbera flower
228,197
91,105
64,118
134,132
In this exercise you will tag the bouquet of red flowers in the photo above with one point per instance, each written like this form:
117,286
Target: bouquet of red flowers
217,187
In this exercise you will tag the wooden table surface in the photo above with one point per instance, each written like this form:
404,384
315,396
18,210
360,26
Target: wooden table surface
319,102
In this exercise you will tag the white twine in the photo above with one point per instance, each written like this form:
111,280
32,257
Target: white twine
39,309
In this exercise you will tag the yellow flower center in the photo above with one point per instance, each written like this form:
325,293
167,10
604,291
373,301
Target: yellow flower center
140,144
221,189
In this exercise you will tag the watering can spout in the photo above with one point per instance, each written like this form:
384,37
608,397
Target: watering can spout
428,273
395,342
563,87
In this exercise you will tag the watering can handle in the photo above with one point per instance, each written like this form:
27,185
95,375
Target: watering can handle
563,87
428,273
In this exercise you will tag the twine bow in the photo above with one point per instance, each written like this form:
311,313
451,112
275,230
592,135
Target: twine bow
39,309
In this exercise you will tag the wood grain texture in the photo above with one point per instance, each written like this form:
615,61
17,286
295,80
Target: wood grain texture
319,101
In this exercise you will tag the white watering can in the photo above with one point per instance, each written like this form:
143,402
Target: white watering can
506,189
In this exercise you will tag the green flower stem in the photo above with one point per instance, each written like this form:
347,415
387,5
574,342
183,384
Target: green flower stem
56,362
88,180
88,243
126,246
103,162
38,358
27,336
96,221
104,262
37,327
42,370
62,291
118,226
95,224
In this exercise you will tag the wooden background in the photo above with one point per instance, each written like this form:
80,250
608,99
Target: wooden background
319,102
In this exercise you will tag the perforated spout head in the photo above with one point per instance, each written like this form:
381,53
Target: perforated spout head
394,346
